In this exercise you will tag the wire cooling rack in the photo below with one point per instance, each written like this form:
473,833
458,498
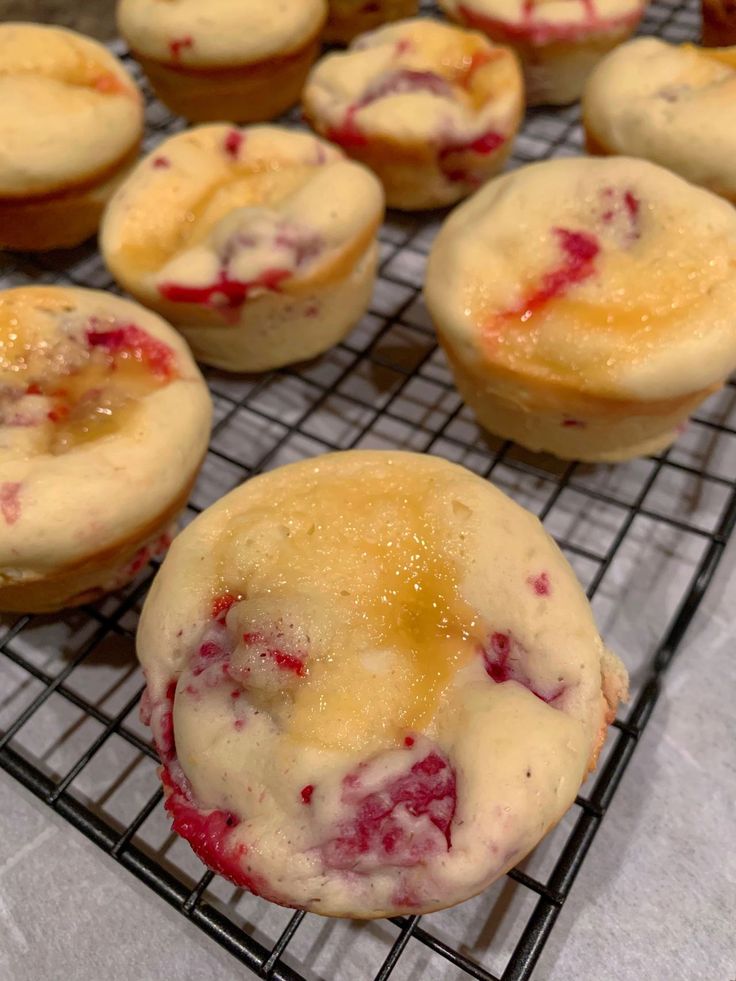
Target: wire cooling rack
644,537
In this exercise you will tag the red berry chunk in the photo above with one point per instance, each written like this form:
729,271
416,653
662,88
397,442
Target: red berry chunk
224,293
632,205
233,143
179,44
10,506
540,584
210,649
348,134
221,604
209,833
287,662
482,145
580,250
162,724
505,662
497,663
269,646
407,820
400,82
131,341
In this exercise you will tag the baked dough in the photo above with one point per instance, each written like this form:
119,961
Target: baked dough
431,108
104,421
558,41
259,243
673,104
224,59
71,120
374,683
587,306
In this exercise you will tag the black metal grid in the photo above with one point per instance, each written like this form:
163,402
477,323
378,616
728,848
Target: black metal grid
69,725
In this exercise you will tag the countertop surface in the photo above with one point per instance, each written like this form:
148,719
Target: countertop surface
655,900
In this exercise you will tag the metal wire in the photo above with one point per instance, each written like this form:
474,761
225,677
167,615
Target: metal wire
385,385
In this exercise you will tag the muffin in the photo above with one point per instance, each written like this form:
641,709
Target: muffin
587,306
104,421
224,59
374,684
258,243
673,104
432,109
71,120
348,18
558,43
719,22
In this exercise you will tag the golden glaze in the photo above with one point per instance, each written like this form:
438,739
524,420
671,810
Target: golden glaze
397,628
88,393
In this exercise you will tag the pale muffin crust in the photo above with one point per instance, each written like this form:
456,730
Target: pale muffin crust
431,108
258,243
71,119
673,104
104,421
587,305
69,111
374,683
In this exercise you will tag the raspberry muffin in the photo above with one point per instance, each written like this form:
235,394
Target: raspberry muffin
558,42
104,421
587,306
224,59
71,120
258,243
719,22
348,18
432,109
673,104
374,683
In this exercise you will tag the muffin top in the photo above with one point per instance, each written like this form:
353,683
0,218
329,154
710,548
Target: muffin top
217,214
417,81
365,629
218,33
69,111
674,104
607,276
542,21
103,414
